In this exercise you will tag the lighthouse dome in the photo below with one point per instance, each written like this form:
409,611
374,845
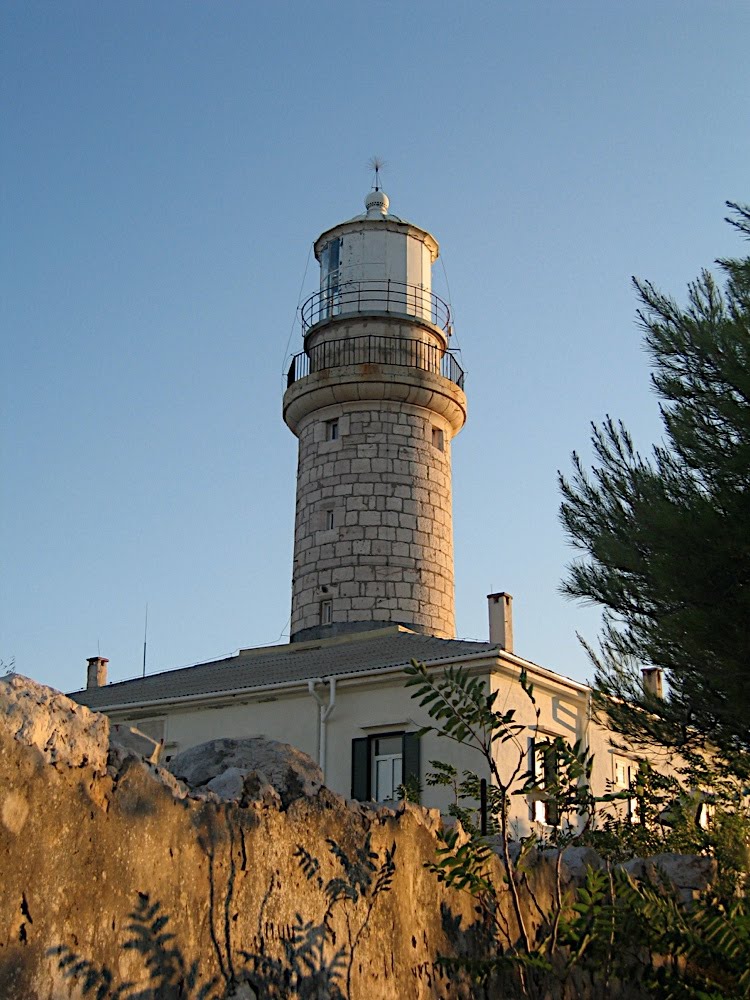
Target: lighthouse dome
376,203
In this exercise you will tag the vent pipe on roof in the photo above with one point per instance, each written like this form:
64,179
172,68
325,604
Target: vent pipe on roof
500,608
96,673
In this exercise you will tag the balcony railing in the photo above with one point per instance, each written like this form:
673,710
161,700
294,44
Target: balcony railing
374,295
374,349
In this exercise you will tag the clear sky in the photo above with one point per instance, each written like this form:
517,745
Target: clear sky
166,167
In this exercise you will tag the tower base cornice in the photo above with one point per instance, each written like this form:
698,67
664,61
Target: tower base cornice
355,383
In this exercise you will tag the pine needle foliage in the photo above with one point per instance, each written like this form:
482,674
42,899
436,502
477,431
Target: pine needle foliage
665,539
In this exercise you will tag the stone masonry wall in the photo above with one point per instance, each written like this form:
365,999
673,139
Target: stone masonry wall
384,485
117,881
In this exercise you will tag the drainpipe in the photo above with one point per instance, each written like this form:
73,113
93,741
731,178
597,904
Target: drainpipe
324,709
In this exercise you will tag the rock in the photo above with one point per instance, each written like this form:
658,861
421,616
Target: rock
218,765
429,818
63,731
690,874
258,789
133,739
495,841
578,860
575,862
242,991
229,785
178,788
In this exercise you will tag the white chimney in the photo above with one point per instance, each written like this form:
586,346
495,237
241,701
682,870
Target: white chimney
500,607
653,681
96,674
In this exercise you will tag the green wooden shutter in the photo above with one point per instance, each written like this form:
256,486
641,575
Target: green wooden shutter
550,781
411,770
361,769
531,772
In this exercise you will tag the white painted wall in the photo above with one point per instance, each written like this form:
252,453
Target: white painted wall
381,705
374,255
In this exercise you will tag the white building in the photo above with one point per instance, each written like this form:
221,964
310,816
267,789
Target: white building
375,399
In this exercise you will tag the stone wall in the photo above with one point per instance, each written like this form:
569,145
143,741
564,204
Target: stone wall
100,862
388,554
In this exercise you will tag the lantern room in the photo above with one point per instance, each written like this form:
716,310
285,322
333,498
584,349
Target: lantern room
376,263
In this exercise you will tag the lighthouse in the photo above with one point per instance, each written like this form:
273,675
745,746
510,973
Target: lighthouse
375,399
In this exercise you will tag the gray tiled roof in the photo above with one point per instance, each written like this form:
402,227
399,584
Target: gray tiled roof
283,664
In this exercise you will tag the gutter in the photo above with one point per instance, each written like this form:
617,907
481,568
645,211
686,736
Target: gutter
545,673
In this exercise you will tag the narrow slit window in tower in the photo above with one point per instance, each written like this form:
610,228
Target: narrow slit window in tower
326,612
438,438
332,430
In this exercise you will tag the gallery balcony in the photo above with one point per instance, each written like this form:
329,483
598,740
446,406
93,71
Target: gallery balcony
376,350
374,296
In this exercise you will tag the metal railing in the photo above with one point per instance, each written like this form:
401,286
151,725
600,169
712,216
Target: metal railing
374,295
374,349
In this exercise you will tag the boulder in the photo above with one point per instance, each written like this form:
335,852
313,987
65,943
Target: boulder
63,731
226,768
256,788
576,861
228,785
690,874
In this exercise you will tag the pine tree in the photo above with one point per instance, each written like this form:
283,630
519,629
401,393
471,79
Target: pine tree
666,539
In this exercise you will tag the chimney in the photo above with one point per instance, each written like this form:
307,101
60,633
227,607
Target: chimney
96,674
653,681
500,608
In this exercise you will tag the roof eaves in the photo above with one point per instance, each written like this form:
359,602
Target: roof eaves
291,685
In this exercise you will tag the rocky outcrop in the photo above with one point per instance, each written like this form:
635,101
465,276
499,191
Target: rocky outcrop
689,874
251,768
61,730
121,877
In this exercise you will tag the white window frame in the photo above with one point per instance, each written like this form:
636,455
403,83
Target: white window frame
396,762
539,808
629,774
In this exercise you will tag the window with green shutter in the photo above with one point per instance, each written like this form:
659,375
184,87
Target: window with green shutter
381,763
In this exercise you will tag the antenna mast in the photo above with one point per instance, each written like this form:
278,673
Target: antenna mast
145,634
376,163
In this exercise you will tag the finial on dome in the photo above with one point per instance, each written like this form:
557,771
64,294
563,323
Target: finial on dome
377,201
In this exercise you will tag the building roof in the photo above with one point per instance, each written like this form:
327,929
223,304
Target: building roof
293,663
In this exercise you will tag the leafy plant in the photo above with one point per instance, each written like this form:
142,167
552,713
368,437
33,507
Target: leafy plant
410,790
613,929
464,711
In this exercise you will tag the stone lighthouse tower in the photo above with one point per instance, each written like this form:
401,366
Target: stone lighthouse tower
375,399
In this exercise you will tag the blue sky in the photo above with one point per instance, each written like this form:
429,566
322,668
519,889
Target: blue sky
166,167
